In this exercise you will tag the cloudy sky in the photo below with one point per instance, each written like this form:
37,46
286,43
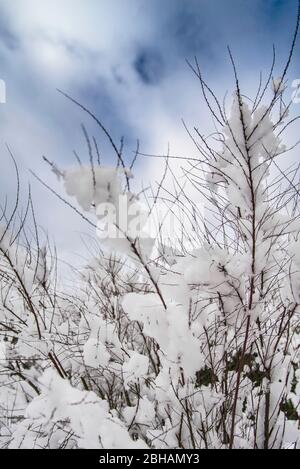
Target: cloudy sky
126,61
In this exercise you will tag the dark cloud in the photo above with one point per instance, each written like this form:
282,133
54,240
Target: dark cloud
150,66
191,32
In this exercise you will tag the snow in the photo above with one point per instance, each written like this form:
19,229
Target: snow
95,354
88,415
79,183
159,346
136,367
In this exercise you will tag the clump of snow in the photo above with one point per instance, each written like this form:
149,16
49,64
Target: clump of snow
95,186
95,354
136,367
88,416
